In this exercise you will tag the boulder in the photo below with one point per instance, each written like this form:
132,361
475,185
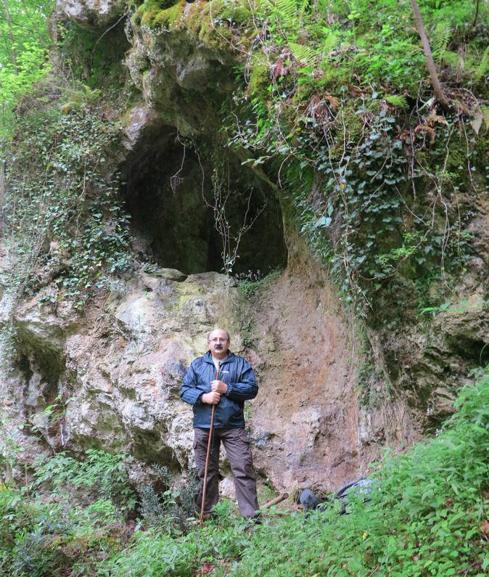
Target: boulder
93,13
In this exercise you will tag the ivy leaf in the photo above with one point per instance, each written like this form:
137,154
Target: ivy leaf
322,222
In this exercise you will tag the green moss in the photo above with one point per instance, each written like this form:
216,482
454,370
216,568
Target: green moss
94,59
148,17
169,16
236,12
259,76
200,19
155,13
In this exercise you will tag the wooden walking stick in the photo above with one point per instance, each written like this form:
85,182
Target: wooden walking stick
209,445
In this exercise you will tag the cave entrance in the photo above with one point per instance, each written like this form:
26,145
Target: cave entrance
176,195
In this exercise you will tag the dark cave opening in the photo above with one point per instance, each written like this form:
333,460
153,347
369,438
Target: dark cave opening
473,350
176,194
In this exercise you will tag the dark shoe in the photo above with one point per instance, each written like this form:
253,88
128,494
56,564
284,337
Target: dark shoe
255,520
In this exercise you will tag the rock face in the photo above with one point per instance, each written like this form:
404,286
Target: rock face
91,12
311,426
110,377
120,368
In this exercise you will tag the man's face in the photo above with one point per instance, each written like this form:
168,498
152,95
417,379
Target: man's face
218,343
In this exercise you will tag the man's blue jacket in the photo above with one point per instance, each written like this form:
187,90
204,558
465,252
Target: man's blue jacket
238,375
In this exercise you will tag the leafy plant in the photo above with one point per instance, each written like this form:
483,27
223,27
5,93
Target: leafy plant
426,517
24,42
103,474
173,509
61,207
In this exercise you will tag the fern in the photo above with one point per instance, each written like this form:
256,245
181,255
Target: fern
439,41
304,54
483,67
452,59
285,12
285,9
396,100
330,41
485,115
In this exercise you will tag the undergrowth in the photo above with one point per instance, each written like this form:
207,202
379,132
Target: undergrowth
63,219
428,515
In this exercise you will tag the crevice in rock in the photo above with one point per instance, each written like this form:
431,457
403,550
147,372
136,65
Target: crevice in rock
149,448
41,367
172,188
473,350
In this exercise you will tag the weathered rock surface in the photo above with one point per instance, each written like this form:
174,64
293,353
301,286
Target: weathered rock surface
123,364
91,12
111,379
310,424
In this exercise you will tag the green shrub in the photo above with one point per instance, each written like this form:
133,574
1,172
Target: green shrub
427,517
154,554
172,510
103,475
46,537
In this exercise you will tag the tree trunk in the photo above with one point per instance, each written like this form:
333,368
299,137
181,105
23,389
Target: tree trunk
430,64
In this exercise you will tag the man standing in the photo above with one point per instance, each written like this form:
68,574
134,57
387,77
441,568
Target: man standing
225,380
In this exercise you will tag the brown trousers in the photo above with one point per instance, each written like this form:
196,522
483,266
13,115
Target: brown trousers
238,452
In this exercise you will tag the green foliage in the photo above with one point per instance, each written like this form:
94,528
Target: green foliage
61,206
152,554
93,57
483,68
427,516
173,509
103,475
24,42
68,518
364,195
40,539
396,100
336,90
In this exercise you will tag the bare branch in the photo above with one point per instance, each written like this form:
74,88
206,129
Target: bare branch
430,63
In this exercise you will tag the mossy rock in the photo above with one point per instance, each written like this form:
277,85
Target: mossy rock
234,12
259,76
156,13
170,16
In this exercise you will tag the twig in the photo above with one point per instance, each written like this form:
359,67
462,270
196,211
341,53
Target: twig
275,501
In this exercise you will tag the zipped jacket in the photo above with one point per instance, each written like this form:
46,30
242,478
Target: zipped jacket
238,375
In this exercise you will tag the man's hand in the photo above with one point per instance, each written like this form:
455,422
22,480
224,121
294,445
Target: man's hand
219,387
211,398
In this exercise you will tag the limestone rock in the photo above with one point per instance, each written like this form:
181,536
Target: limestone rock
119,373
138,118
96,13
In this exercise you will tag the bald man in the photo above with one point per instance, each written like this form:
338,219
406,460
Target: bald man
225,380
